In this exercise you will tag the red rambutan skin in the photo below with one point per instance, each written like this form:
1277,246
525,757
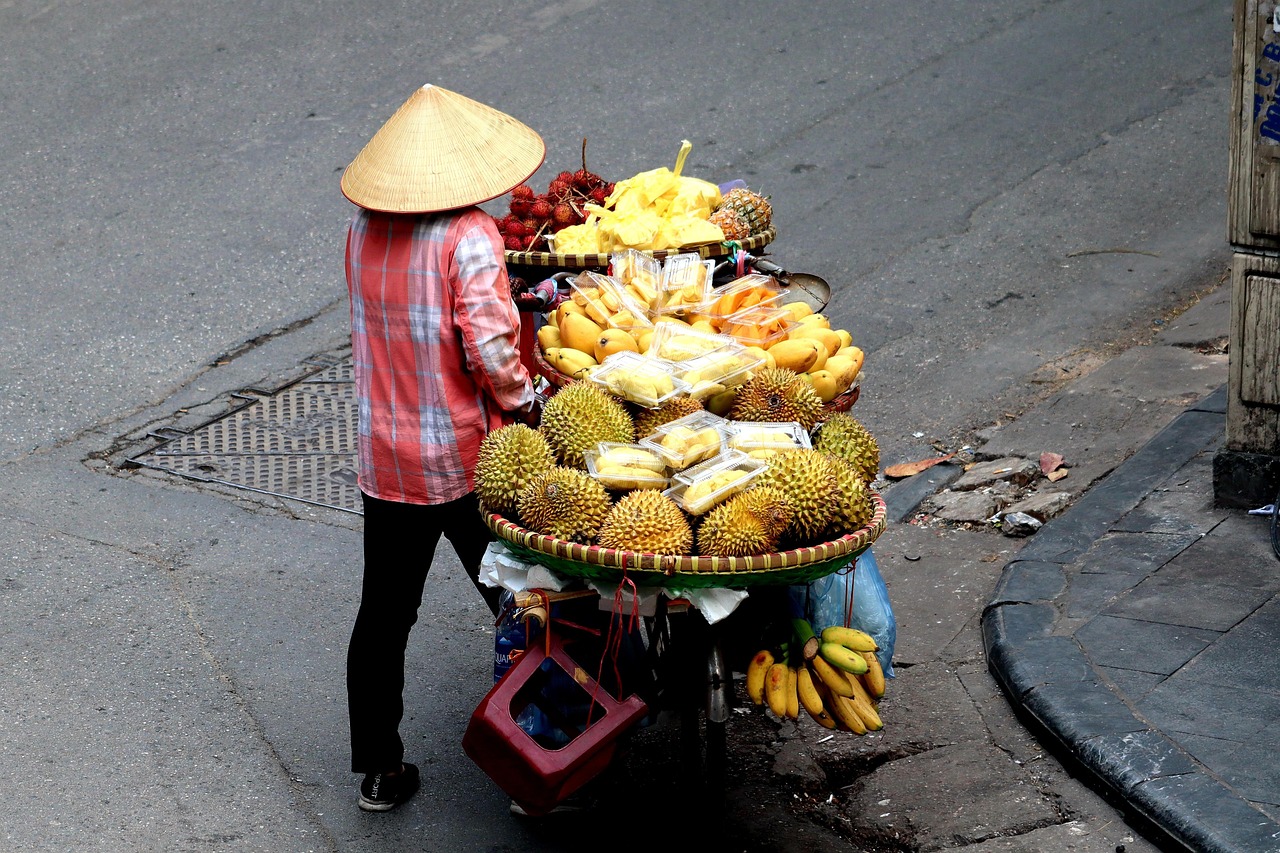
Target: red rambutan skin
523,192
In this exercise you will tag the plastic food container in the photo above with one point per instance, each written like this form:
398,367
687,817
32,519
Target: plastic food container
677,342
762,439
623,467
689,440
685,285
640,275
759,326
607,303
703,486
718,370
645,381
754,290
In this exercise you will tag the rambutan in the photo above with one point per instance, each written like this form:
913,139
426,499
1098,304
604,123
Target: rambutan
563,214
513,244
523,192
520,208
559,189
541,209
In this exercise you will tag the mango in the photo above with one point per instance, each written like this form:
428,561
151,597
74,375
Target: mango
799,354
614,340
577,331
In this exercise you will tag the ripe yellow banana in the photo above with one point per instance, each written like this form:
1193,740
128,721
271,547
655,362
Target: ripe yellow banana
755,675
863,705
834,679
874,676
775,689
859,641
842,709
842,657
808,692
793,694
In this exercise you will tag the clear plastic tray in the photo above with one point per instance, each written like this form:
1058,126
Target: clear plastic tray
689,440
607,302
640,275
678,342
643,380
622,467
685,285
759,326
761,439
748,291
703,486
718,370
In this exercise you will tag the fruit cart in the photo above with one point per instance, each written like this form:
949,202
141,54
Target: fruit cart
754,366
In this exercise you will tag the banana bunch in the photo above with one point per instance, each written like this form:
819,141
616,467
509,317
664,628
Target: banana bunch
833,696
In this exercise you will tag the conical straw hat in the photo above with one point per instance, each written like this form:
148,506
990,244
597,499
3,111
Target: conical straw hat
442,151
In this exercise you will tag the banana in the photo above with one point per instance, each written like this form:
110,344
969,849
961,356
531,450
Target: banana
842,708
842,657
834,679
793,693
863,706
852,638
755,675
807,692
874,676
775,689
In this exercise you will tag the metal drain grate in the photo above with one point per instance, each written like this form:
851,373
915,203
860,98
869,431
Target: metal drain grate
299,443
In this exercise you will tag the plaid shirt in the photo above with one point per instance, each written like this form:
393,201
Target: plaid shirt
434,345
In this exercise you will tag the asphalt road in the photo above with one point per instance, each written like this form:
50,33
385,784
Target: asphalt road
1001,194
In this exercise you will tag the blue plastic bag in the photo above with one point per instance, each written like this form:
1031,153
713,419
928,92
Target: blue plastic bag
826,601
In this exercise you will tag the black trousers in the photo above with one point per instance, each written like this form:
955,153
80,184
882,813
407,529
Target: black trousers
399,542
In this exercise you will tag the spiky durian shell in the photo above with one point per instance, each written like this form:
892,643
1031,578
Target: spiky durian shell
853,506
646,521
565,503
648,420
510,457
578,417
808,479
777,394
748,523
844,436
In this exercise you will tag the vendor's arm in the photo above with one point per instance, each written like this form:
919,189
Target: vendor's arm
487,317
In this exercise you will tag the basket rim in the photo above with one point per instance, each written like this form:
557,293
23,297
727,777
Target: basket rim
706,250
697,565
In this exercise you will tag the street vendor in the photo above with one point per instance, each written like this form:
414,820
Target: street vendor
434,344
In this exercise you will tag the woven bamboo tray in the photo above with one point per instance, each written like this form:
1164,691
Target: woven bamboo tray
611,565
583,262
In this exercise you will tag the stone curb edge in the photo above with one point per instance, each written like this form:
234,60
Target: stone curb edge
1050,682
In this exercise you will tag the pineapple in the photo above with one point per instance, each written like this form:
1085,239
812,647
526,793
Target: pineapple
742,213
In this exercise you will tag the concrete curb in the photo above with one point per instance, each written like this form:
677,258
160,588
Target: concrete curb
1050,681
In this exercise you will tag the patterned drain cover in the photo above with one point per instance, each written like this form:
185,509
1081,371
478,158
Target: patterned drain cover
299,443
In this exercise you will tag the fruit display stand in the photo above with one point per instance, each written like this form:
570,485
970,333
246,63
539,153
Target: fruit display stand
611,565
519,262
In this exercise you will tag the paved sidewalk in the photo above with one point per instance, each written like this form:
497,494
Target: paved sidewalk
1137,633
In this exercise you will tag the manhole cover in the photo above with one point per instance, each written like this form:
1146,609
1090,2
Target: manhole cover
299,443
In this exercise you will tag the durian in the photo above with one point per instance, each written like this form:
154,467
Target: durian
853,507
581,415
510,457
746,524
844,436
648,420
646,521
809,480
565,503
777,394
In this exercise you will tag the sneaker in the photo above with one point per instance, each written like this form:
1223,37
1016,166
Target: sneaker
380,792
